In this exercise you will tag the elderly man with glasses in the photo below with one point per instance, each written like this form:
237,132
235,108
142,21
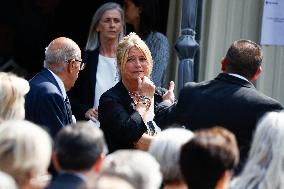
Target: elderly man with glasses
47,103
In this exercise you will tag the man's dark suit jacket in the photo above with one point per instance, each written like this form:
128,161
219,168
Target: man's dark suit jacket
226,101
121,123
82,94
45,104
66,181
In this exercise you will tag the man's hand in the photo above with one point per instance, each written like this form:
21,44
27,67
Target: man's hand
169,96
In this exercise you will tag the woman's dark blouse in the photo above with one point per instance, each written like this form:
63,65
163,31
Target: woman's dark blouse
121,123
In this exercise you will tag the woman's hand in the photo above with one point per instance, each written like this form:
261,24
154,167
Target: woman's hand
144,142
146,87
92,114
169,96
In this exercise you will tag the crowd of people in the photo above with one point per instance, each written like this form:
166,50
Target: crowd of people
121,129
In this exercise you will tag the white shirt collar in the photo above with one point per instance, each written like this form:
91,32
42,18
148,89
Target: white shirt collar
239,76
60,83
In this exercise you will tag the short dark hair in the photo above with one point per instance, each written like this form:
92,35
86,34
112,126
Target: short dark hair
149,16
206,157
244,57
78,146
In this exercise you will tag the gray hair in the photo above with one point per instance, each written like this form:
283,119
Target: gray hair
106,180
93,38
59,51
13,90
165,147
140,167
264,167
25,149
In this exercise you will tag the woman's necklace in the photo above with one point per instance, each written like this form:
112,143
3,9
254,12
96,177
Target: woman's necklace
135,97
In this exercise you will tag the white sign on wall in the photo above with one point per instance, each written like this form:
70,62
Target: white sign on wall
272,32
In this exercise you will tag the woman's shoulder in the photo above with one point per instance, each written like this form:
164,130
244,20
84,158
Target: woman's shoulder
115,91
89,52
156,40
155,35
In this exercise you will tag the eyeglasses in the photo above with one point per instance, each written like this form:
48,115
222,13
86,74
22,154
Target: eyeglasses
82,64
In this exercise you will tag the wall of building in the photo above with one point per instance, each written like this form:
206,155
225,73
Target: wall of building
224,21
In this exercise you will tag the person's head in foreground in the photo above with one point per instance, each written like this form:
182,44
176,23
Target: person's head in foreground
165,147
207,160
139,167
25,152
12,92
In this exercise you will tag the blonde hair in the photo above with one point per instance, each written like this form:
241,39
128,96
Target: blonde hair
129,41
13,90
25,148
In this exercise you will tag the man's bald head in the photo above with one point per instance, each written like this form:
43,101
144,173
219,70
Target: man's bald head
60,50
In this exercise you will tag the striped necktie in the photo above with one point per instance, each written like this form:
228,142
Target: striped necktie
68,109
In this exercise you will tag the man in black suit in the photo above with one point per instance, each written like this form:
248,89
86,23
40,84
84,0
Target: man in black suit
230,100
79,150
47,103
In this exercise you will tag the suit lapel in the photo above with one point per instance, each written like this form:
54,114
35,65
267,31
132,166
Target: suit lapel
46,73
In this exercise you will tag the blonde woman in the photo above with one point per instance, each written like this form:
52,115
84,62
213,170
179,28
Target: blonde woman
127,110
13,90
25,152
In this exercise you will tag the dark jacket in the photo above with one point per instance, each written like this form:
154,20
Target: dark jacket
44,103
82,94
226,101
66,181
121,123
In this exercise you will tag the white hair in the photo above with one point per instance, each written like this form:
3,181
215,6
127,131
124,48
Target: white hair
112,181
59,51
141,169
264,168
165,147
25,149
13,90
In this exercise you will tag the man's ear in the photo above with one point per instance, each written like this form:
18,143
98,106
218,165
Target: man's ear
224,181
70,67
224,64
55,162
257,74
98,164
